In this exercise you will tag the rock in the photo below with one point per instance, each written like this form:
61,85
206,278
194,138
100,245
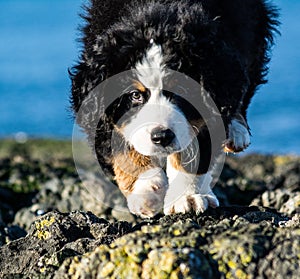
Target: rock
123,213
283,200
284,192
231,242
284,259
53,238
47,231
10,233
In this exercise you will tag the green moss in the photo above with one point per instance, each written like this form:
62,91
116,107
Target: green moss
41,149
24,187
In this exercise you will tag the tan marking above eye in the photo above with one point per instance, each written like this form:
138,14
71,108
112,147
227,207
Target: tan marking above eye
139,86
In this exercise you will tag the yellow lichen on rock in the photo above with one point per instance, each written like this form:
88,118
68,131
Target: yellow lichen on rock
41,227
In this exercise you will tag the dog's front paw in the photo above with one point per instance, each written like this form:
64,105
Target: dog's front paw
186,203
147,197
238,137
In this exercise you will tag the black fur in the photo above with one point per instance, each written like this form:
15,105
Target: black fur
226,42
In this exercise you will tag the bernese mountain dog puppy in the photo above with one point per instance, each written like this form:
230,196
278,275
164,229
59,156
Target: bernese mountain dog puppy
144,125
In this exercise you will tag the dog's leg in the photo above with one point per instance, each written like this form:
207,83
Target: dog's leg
147,196
238,137
187,192
143,184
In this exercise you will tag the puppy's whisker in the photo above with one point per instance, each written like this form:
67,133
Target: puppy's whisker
196,128
191,155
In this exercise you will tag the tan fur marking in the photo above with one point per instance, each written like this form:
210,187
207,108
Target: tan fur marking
175,160
172,210
229,148
127,167
139,86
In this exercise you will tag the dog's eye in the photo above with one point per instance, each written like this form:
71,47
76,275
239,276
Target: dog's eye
136,96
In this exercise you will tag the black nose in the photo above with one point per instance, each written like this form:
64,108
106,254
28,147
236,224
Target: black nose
162,136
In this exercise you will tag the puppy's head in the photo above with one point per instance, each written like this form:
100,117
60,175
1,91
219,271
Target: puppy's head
149,117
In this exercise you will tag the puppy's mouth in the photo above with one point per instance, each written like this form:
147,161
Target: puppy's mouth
163,151
156,141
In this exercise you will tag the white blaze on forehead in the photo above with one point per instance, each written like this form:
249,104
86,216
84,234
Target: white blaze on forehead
150,70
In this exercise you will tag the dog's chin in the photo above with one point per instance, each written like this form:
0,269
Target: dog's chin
154,150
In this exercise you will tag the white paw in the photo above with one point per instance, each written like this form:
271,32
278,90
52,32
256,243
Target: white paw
186,203
238,137
147,197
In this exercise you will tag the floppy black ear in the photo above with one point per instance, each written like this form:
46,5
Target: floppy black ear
88,106
77,75
84,78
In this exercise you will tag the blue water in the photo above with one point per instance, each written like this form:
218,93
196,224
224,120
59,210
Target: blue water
38,44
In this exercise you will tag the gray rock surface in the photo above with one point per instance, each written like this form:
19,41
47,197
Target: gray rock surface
47,229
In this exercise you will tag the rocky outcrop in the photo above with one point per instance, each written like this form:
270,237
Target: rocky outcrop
228,242
47,229
53,238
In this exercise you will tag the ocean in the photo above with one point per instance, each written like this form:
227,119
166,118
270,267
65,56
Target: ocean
38,45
